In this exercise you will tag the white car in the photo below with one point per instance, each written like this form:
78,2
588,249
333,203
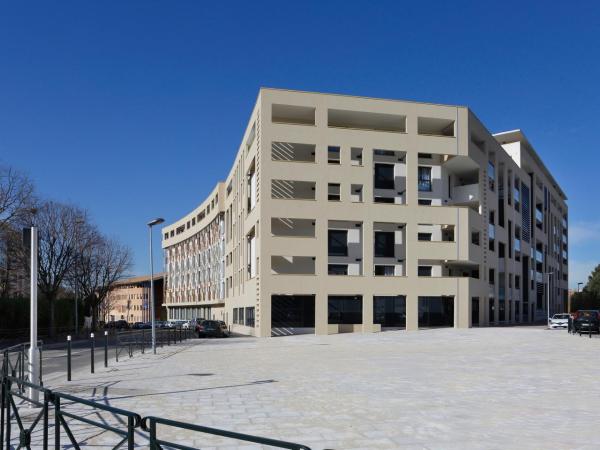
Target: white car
558,321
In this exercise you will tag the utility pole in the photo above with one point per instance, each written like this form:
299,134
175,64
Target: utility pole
34,362
152,223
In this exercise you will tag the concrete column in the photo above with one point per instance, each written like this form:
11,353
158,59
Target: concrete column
367,314
412,312
482,321
321,313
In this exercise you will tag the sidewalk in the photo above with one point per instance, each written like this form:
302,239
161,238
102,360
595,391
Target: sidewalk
449,389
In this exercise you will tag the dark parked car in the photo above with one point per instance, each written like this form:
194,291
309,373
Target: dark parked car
117,325
212,328
587,320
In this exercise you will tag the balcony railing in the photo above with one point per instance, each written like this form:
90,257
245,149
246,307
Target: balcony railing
491,231
539,215
466,193
539,256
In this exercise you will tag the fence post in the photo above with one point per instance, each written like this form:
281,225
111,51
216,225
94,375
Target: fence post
22,376
92,345
69,358
153,445
106,349
40,348
7,415
2,402
56,423
130,433
46,401
143,342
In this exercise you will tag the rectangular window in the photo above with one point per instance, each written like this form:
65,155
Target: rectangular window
333,192
384,244
384,176
424,271
337,269
424,236
344,309
384,200
235,315
250,316
424,179
425,202
491,276
384,271
338,242
241,316
491,172
475,238
333,155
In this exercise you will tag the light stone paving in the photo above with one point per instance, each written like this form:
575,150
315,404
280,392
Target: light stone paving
492,388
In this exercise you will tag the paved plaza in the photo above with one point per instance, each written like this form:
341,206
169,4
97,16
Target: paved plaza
497,388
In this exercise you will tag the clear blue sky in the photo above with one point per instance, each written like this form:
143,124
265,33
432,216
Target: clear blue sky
135,109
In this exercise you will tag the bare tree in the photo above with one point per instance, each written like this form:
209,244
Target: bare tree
16,195
100,264
16,205
58,231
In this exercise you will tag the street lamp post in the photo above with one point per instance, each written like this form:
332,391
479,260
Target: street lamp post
78,223
156,221
34,363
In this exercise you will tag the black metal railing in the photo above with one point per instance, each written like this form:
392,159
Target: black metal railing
127,434
16,391
149,425
66,410
15,360
10,412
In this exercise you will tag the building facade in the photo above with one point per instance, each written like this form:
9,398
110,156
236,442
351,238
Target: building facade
129,299
348,214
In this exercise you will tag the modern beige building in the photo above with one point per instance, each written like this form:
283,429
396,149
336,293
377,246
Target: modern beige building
128,299
346,213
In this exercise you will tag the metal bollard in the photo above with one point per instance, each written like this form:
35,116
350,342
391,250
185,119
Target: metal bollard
69,358
143,342
106,349
92,345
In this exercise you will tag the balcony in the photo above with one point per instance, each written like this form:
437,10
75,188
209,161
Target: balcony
292,265
539,216
468,193
539,256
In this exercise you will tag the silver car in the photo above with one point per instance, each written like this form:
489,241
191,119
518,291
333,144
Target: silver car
558,321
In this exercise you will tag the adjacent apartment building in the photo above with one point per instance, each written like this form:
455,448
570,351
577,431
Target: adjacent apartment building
129,299
345,213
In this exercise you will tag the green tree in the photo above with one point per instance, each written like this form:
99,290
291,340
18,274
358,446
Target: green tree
593,284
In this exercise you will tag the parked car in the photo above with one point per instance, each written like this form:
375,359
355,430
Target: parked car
178,323
212,328
138,325
117,325
587,321
558,321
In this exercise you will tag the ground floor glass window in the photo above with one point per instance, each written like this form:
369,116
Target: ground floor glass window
389,311
344,309
293,311
436,311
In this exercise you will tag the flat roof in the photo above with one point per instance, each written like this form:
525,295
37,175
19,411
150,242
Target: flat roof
139,279
360,96
506,137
